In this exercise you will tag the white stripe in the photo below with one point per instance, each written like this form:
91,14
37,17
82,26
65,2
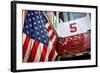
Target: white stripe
47,25
53,40
23,38
28,50
39,52
50,33
48,50
46,57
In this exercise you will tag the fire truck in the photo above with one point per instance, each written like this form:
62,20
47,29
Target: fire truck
74,35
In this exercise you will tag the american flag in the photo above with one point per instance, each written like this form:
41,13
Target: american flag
39,39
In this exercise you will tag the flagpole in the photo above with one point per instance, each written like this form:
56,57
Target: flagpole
57,17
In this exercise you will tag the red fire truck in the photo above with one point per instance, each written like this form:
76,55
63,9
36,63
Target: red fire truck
74,37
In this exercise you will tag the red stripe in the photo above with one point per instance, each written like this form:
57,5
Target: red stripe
26,42
51,36
51,54
34,50
43,55
49,28
55,42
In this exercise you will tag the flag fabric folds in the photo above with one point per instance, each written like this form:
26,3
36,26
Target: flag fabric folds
39,39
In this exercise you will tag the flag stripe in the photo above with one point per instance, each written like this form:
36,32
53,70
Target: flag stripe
50,32
29,48
55,41
23,39
43,55
25,45
46,56
34,50
49,50
54,57
51,54
47,25
49,28
54,38
52,35
38,54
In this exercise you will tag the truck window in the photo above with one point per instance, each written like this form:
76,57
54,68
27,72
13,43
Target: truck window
68,16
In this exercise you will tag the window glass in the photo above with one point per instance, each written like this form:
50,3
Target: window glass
68,16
